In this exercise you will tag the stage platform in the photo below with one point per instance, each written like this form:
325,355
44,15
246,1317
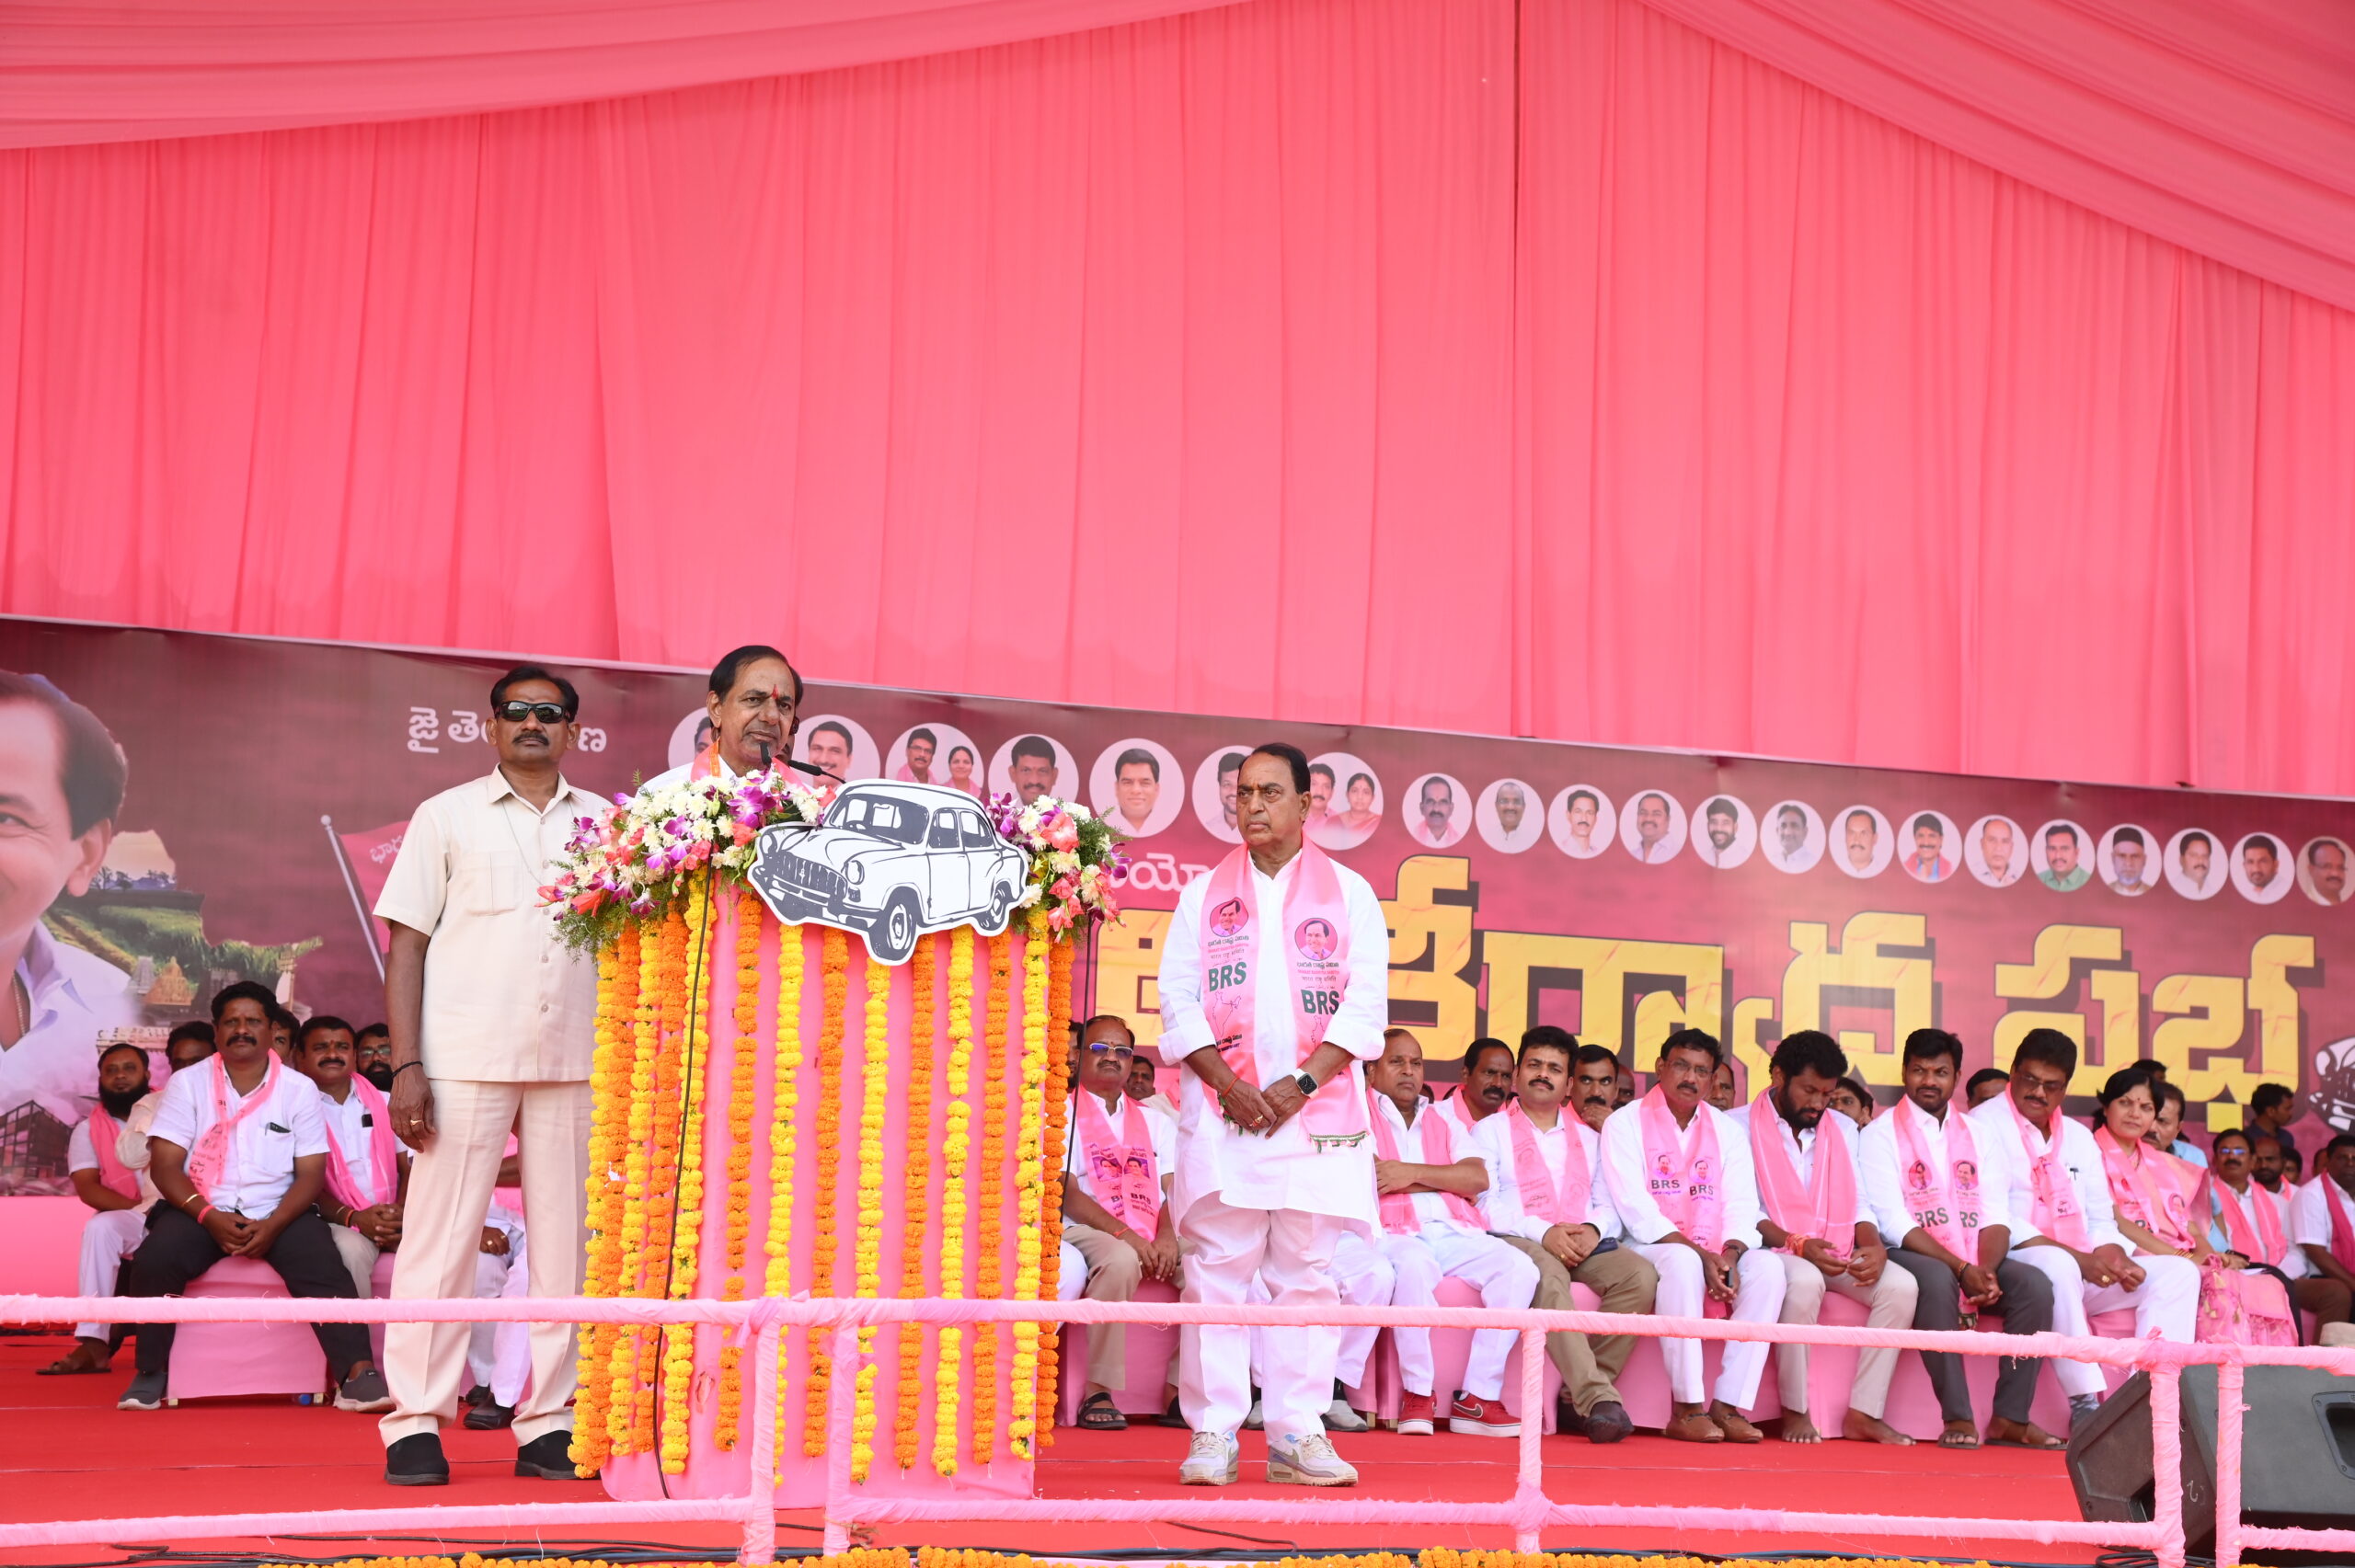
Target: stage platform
66,1451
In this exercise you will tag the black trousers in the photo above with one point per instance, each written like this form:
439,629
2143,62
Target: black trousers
2027,1308
177,1249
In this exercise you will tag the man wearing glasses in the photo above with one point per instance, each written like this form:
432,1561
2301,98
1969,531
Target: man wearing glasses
492,1023
1122,1157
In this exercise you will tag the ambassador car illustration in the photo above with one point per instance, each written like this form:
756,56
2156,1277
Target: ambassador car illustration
892,862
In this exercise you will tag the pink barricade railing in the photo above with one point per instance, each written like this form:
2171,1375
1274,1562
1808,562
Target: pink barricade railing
1529,1510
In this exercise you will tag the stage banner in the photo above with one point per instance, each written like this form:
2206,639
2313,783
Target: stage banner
1618,893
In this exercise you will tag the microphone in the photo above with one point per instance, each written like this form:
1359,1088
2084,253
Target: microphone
765,763
797,764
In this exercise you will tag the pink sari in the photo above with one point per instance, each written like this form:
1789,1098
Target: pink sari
2158,1192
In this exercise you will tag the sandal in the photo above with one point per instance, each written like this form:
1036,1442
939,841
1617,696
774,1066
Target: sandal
77,1362
1098,1413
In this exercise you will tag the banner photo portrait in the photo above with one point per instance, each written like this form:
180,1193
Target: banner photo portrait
264,786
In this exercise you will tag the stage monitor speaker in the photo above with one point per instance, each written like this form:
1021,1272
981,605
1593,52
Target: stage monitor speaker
2297,1456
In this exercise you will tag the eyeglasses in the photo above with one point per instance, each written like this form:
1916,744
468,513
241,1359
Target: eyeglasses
1115,1050
547,712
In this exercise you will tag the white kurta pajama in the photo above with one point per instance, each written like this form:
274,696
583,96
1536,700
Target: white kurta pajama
1270,1205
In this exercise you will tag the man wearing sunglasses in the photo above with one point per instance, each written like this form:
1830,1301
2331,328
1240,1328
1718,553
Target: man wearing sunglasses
491,1023
1116,1202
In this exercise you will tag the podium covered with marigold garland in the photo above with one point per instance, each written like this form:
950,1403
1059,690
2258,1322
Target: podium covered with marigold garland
779,1113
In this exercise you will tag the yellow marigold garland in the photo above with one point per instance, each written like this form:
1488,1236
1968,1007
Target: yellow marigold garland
915,1217
646,1030
784,1107
743,1087
866,1251
1060,958
608,1124
687,1230
1030,1187
834,962
989,1198
955,1200
662,1167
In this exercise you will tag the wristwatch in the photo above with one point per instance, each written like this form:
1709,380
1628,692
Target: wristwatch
1308,1084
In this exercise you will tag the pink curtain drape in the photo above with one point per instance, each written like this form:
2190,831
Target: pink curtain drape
1558,371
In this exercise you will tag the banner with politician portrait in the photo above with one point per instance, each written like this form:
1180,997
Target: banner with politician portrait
1618,893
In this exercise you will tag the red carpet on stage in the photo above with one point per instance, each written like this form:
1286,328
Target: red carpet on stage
66,1452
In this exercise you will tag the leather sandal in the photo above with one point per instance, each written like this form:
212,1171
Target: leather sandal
1736,1430
1696,1427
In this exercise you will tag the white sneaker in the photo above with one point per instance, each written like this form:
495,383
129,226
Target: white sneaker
1307,1461
1340,1417
1213,1458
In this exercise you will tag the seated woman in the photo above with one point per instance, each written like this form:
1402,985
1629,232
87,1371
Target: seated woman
2162,1209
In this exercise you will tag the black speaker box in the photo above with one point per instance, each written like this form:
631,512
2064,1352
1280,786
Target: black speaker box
2297,1456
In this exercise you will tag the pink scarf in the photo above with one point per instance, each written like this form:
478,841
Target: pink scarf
384,1170
1399,1210
2342,1230
1458,1107
1127,1180
1683,1171
1825,1207
1943,1198
1316,935
2261,1240
2147,1190
2053,1207
1562,1204
210,1155
113,1174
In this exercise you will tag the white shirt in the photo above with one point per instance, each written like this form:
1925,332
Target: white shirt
260,1165
2293,1259
1879,1163
1801,1148
82,1154
505,1000
1473,1143
1503,1203
1994,1124
680,774
1284,1169
348,1122
2310,1215
74,995
1623,1166
1159,1127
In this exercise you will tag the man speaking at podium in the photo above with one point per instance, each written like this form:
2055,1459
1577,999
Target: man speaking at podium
755,704
1274,986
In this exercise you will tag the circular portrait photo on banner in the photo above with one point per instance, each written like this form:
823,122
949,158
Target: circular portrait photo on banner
2127,860
2260,872
2061,855
1436,809
1652,827
1930,845
1861,841
689,736
1031,766
1509,815
2322,870
2192,864
1794,836
1728,832
1350,798
936,754
1215,781
1996,850
1581,821
839,745
1134,786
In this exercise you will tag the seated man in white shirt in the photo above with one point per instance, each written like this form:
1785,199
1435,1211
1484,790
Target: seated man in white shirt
238,1155
119,1199
1817,1222
363,1201
1428,1172
2322,1217
499,1355
1550,1203
2261,1227
1682,1185
1122,1158
2063,1222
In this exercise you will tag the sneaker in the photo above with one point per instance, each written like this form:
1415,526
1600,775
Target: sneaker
489,1416
1307,1461
1609,1423
145,1393
1480,1417
1213,1458
1340,1417
1416,1414
365,1392
548,1456
416,1462
1255,1421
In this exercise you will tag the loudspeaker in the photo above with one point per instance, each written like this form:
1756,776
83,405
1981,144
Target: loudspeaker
2297,1455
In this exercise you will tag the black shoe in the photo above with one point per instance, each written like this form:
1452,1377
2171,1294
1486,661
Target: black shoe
548,1456
146,1392
1173,1417
417,1461
1568,1422
479,1394
489,1416
365,1392
1608,1422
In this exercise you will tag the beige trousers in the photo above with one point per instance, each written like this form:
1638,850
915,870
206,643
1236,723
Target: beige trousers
358,1254
1626,1283
1114,1271
1887,1303
449,1194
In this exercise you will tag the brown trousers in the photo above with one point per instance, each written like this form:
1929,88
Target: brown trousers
1625,1282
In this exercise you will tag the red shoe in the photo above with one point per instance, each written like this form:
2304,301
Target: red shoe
1416,1416
1481,1417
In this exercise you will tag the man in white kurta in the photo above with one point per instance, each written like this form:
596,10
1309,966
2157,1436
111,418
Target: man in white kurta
1739,1276
1255,1192
754,706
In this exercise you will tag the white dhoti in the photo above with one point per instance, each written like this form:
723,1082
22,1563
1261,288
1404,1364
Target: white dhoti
1292,1250
2167,1305
1503,1276
1365,1278
109,1236
1758,1298
1889,1304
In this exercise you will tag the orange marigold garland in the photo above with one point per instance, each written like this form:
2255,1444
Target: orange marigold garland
686,1226
1030,1186
1060,958
784,1107
827,1147
646,1031
743,1090
989,1198
867,1250
608,1124
956,1203
662,1167
915,1194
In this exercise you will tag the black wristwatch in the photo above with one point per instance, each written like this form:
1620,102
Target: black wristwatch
1308,1084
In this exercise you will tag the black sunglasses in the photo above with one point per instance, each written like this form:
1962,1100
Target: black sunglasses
547,712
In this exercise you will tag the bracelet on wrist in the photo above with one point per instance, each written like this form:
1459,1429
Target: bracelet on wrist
404,1067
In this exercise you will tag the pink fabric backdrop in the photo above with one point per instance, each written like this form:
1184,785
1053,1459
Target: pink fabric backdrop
1418,361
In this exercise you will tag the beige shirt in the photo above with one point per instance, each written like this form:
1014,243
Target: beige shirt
505,1000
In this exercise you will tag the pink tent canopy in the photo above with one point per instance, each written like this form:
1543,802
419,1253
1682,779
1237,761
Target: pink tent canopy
1954,384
